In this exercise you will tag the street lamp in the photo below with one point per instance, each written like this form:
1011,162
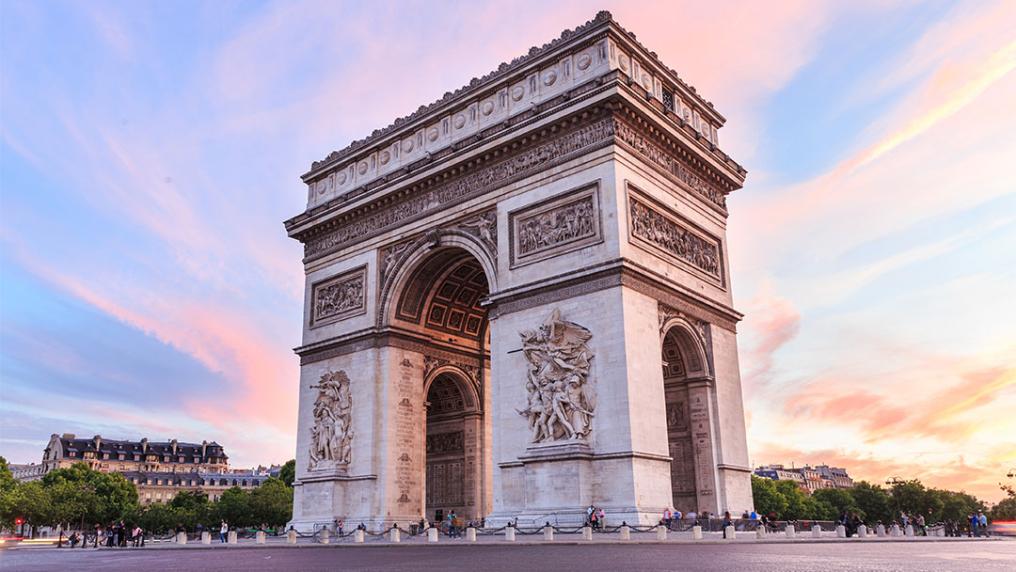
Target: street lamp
1012,473
894,480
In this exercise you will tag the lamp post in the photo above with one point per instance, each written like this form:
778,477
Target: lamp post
894,480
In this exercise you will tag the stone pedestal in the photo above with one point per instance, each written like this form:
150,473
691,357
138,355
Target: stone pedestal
432,534
696,532
324,536
661,532
291,537
816,531
841,531
909,530
509,534
206,537
790,531
181,538
587,533
760,532
358,536
624,533
880,530
231,537
729,533
862,531
260,537
395,535
470,534
548,532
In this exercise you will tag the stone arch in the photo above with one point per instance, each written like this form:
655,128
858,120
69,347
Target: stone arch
462,380
409,256
690,343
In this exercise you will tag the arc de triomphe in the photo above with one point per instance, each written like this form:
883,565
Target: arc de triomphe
518,302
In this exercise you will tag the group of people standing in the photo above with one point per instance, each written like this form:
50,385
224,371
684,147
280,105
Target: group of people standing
116,535
596,518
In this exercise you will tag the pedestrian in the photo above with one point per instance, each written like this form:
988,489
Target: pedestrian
109,536
753,515
726,522
922,525
982,521
223,529
601,517
136,535
668,517
590,513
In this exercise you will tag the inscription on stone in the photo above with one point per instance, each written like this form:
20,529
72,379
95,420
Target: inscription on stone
407,437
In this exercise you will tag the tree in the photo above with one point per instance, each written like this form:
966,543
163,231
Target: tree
288,472
955,506
234,507
838,501
272,502
913,498
798,506
81,495
158,518
7,487
872,501
767,499
31,502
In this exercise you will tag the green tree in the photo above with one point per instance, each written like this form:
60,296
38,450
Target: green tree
955,506
31,502
234,508
768,499
873,501
838,501
272,503
81,495
913,498
288,472
7,490
158,518
798,505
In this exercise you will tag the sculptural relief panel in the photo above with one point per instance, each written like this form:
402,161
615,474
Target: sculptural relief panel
564,223
666,233
339,297
331,433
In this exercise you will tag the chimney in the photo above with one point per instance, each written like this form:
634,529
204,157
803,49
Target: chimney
67,436
144,445
173,443
204,449
98,441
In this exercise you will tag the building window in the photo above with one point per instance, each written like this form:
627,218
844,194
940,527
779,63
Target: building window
668,100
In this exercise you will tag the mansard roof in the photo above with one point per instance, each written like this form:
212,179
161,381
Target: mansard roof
115,446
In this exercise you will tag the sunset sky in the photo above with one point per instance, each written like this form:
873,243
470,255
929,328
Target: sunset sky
150,152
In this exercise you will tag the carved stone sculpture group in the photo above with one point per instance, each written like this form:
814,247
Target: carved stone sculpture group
332,435
558,407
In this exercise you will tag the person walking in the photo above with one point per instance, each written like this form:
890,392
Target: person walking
982,521
223,529
668,517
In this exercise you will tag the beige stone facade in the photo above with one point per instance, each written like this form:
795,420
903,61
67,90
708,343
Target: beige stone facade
518,302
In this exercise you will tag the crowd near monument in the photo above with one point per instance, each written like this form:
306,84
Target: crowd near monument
518,302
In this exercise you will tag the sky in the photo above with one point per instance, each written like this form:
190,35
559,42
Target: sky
151,150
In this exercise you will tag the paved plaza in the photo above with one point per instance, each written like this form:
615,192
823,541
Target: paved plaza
941,555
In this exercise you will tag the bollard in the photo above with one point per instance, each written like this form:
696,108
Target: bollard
206,537
181,538
291,536
816,531
696,532
231,537
880,530
587,532
325,537
432,534
661,533
760,532
729,533
895,531
841,531
791,532
909,531
509,534
470,534
625,532
260,537
358,535
548,532
395,535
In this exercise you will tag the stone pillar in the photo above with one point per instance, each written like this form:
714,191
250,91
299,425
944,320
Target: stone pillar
862,531
624,533
259,537
231,537
291,536
206,537
325,536
432,535
358,536
760,532
509,534
181,538
702,416
548,532
470,534
790,531
696,532
816,531
661,533
395,535
880,530
909,530
895,530
587,533
729,533
841,531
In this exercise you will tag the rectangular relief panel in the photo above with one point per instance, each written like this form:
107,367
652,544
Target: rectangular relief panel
663,232
561,224
339,297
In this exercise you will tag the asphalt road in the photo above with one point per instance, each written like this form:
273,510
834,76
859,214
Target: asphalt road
833,557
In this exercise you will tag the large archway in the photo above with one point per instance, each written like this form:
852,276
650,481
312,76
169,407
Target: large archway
688,431
440,300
